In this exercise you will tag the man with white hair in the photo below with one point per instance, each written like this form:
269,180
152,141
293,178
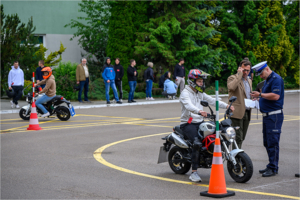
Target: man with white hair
83,79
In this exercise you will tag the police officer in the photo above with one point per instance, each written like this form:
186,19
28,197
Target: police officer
271,99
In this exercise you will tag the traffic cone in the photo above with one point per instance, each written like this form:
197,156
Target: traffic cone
34,122
217,184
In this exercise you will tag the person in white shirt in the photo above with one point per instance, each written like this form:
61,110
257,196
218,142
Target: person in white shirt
192,114
16,82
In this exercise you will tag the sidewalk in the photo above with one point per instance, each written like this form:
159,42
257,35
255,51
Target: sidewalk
6,109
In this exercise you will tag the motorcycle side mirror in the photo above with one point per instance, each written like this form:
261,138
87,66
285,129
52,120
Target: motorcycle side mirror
204,103
232,99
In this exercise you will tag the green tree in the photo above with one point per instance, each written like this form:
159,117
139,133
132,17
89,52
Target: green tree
92,31
125,20
17,43
255,30
177,30
51,59
291,13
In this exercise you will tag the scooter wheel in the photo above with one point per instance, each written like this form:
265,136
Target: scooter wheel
23,115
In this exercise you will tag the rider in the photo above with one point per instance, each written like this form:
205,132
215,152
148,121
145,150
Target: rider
49,90
192,113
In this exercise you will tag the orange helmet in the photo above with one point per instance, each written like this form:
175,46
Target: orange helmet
47,69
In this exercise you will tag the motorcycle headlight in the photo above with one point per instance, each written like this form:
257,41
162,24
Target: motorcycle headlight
230,133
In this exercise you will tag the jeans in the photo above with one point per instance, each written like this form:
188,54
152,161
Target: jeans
107,88
41,100
149,84
132,85
18,93
118,84
85,85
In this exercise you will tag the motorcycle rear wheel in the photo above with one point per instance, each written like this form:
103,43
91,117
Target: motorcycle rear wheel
176,161
22,114
63,113
244,168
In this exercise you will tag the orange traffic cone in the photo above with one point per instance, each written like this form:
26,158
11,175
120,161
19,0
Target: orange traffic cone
217,184
34,122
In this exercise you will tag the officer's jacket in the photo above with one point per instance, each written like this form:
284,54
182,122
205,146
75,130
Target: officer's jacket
236,88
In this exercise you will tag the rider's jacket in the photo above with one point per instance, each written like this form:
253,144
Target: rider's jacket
190,105
50,88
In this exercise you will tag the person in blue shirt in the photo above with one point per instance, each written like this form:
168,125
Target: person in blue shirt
271,99
109,76
169,87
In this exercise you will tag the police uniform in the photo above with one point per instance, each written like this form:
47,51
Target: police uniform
272,116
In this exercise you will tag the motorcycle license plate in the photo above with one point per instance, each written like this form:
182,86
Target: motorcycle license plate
72,110
162,157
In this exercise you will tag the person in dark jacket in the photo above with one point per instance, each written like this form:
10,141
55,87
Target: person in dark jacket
162,80
39,74
109,76
179,74
149,77
132,78
119,75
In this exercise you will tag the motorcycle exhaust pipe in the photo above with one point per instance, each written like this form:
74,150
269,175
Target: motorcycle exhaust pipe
176,140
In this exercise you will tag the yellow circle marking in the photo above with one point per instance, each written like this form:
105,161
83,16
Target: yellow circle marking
99,158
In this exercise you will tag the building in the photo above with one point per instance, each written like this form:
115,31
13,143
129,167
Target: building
50,17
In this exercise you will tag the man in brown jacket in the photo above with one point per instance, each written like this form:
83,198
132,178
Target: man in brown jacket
240,85
83,79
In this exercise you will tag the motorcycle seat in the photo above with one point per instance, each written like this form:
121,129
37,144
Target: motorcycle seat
178,130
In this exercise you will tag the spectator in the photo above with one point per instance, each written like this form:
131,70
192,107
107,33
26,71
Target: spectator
16,82
169,87
132,77
179,74
82,77
149,77
162,80
119,70
109,76
38,72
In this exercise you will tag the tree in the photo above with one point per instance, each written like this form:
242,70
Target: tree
18,43
92,31
177,30
125,20
291,14
51,58
255,30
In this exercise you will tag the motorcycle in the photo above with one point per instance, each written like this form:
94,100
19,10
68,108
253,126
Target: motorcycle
239,164
54,106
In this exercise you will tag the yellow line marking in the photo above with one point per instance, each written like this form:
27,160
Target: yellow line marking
98,156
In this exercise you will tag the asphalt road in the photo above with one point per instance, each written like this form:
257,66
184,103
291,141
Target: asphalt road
111,153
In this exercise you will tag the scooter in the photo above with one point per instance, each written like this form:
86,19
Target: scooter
177,149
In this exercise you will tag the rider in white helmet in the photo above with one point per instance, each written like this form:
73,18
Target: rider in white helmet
192,114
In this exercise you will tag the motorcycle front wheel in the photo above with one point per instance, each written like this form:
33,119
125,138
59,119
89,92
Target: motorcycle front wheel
176,161
63,113
22,114
243,170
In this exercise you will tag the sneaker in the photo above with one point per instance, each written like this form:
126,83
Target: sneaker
46,114
195,177
147,98
169,97
17,106
174,97
12,104
151,98
119,102
114,101
133,101
108,102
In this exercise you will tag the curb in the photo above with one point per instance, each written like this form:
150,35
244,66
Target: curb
131,104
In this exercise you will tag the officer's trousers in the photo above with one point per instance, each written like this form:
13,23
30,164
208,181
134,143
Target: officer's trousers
271,135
